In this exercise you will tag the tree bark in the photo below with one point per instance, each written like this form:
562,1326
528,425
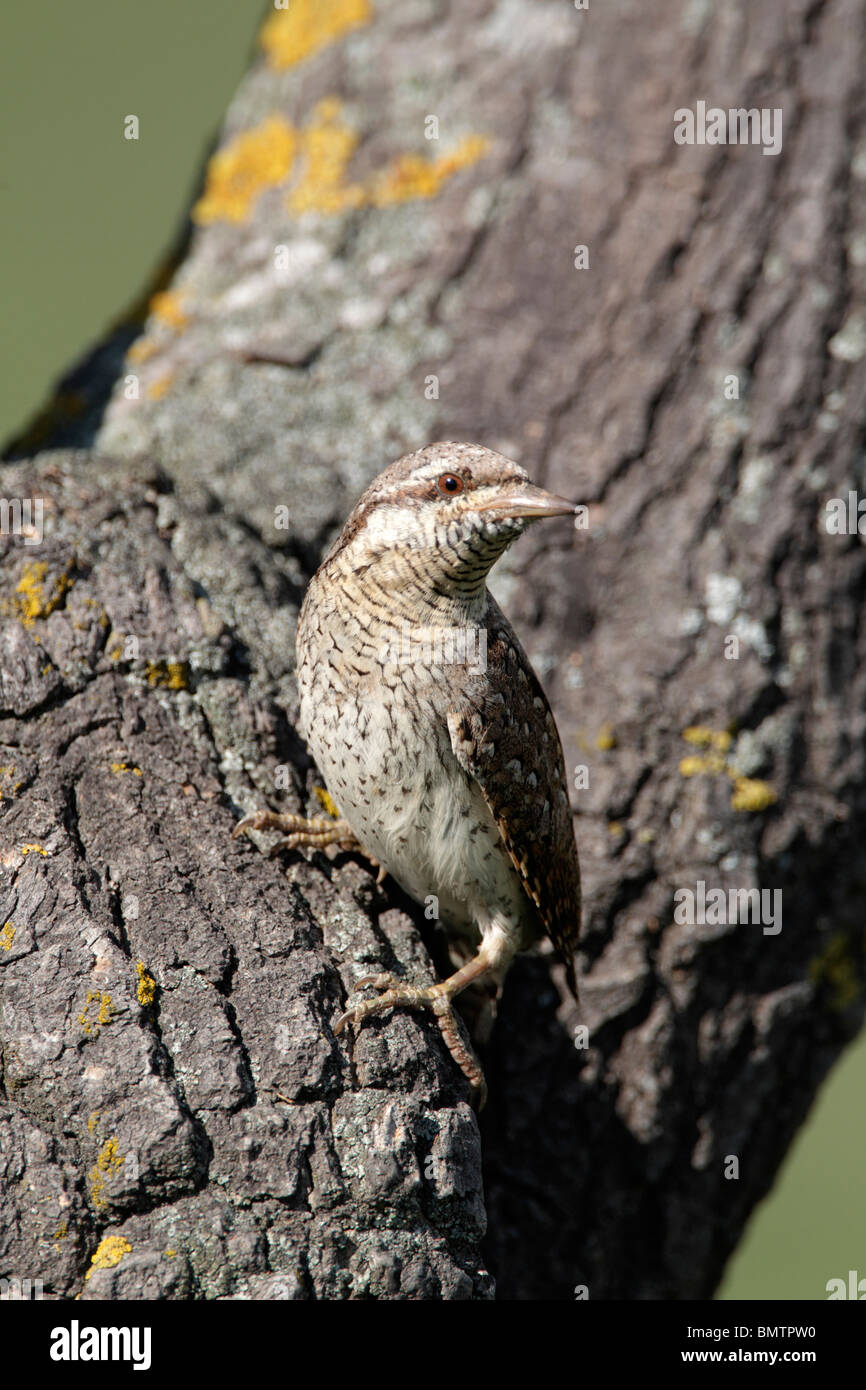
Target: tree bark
177,1118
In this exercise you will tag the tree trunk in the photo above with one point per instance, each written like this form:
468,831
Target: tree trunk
177,1118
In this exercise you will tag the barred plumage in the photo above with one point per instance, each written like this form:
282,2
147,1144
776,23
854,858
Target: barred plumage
447,769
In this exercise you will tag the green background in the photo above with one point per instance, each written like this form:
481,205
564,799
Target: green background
86,217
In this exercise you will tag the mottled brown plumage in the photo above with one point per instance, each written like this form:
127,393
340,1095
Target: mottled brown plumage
429,725
512,748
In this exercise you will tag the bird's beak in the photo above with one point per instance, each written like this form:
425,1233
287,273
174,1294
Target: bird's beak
530,501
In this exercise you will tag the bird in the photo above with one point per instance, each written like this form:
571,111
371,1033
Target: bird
435,739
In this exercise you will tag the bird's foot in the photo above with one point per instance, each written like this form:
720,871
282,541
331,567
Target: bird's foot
436,998
313,832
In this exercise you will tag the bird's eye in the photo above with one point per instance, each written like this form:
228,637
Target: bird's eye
450,484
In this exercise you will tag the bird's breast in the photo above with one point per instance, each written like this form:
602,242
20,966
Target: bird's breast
378,731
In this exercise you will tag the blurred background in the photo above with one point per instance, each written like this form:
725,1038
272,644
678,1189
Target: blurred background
87,215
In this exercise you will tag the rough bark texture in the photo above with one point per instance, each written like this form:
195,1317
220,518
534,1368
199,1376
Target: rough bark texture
170,1077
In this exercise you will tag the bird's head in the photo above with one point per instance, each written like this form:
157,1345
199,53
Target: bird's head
437,520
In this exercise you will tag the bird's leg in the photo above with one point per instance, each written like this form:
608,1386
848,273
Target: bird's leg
313,832
439,1000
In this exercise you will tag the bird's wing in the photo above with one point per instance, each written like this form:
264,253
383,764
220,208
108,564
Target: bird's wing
503,734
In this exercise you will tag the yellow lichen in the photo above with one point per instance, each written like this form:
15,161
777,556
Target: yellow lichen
316,157
7,936
118,768
141,351
412,176
615,827
157,389
146,988
62,1231
108,1161
93,1120
166,308
327,801
327,145
93,1025
34,849
606,738
173,675
699,734
292,34
836,969
695,764
170,1254
236,175
102,616
109,1253
36,595
750,794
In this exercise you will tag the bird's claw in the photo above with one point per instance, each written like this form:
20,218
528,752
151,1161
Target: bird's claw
313,832
397,993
